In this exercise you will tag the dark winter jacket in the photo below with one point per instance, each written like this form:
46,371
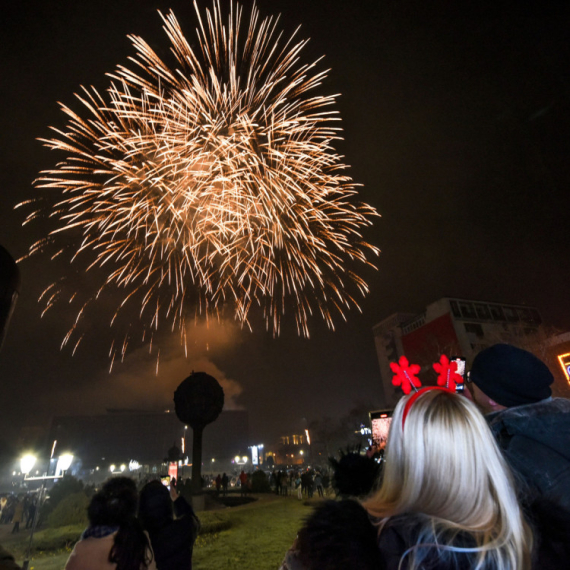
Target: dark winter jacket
551,529
401,533
535,439
173,541
340,535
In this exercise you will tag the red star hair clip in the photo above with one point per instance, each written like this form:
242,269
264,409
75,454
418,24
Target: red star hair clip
447,373
405,375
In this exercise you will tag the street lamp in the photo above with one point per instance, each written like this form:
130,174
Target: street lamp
27,463
63,463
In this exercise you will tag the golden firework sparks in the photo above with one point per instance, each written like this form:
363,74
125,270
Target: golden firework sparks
211,184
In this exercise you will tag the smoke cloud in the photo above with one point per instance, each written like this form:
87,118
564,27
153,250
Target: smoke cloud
135,383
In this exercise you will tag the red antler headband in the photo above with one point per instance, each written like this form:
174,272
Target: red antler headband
405,375
447,373
411,401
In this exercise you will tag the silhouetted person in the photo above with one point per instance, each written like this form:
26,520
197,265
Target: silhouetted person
319,484
172,539
114,539
31,513
18,515
243,483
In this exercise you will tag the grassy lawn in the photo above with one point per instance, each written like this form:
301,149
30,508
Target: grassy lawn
258,538
251,536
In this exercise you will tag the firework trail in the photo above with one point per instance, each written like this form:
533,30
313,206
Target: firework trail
209,185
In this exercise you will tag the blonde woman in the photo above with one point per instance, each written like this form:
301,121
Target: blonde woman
446,501
447,498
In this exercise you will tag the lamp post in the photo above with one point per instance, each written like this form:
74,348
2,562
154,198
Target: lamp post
63,463
26,465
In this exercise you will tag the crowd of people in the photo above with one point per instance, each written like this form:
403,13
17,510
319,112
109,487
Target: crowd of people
304,482
18,509
155,530
284,482
477,480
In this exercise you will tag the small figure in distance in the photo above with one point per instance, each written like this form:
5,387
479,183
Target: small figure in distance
18,515
172,539
243,483
512,386
114,539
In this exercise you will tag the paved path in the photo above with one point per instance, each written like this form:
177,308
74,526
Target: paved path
6,536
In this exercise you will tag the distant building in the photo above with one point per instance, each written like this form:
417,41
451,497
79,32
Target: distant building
295,450
455,327
143,438
288,451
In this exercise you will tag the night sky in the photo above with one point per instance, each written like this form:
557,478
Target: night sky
456,119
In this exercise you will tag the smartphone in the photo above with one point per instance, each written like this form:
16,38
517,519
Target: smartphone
166,481
380,425
460,361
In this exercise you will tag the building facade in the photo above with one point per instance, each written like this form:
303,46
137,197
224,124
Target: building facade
450,326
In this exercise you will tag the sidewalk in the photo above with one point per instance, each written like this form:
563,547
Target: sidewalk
6,536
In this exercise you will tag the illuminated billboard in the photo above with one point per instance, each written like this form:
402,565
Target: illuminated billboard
380,422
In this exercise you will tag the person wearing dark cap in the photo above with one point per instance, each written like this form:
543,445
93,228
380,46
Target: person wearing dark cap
512,386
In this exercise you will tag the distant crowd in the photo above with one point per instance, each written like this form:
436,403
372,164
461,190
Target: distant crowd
18,509
303,482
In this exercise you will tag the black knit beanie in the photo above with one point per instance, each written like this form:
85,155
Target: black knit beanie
511,376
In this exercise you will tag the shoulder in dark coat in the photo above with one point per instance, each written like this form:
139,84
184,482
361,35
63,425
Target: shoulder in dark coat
338,534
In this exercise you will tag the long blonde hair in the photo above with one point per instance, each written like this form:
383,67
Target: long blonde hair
445,467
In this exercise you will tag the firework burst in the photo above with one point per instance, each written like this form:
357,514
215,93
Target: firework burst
213,183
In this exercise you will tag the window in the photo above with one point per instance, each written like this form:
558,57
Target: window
536,320
455,309
525,315
511,314
475,329
482,312
467,311
496,313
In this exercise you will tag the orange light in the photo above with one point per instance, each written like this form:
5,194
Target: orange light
564,360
